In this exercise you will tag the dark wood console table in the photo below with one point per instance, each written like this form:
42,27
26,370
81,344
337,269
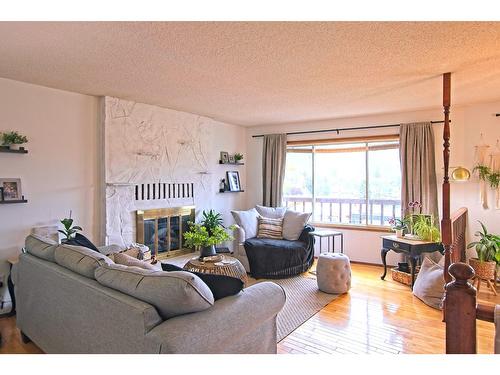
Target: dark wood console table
412,248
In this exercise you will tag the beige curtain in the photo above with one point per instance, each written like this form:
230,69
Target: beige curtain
273,169
418,168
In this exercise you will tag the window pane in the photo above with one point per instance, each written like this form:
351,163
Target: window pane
297,189
340,186
384,191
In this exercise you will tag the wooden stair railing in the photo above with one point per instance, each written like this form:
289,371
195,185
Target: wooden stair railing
458,227
462,310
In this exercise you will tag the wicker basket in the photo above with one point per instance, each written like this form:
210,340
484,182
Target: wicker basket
483,270
403,277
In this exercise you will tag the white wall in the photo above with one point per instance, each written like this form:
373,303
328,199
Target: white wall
59,173
467,124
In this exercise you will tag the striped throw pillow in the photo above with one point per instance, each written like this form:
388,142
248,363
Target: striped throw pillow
270,228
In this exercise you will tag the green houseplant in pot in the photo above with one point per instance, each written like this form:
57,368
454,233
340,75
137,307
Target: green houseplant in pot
488,254
399,226
207,234
69,230
13,140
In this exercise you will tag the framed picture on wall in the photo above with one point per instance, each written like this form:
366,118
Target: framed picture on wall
233,179
11,189
224,157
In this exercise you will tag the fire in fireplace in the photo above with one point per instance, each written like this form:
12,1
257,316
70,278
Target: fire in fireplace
162,229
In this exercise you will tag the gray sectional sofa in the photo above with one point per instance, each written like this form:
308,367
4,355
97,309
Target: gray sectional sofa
63,306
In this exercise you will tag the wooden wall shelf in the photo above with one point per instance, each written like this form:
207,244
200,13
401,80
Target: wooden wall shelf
220,162
232,191
21,151
14,201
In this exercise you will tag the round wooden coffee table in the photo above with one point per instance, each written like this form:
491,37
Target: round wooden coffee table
218,265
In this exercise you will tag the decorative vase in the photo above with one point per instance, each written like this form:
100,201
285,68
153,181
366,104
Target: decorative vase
483,270
399,233
207,251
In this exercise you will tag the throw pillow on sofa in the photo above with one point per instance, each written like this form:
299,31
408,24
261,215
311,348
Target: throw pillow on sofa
81,240
127,260
429,285
271,212
247,220
270,228
220,285
171,293
294,223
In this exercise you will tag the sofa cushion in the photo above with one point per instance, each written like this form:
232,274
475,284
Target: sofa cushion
271,212
247,220
171,293
41,247
270,228
294,223
221,286
429,285
80,259
127,260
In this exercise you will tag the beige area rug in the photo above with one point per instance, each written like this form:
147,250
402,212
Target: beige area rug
303,299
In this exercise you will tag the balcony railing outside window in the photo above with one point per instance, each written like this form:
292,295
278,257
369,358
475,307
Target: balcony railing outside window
347,211
356,183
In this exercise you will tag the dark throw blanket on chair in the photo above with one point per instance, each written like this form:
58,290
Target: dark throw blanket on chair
275,259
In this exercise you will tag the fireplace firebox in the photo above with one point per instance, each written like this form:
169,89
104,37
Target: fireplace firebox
162,230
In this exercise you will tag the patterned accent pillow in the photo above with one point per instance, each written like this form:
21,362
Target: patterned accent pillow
270,228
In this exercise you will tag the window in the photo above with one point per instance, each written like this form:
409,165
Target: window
356,183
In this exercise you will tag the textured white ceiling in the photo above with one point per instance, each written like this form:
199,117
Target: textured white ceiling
254,73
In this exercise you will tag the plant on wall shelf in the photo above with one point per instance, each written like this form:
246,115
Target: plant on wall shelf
13,138
69,230
238,157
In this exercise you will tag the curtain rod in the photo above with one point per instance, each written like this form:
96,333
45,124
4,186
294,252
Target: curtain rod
338,130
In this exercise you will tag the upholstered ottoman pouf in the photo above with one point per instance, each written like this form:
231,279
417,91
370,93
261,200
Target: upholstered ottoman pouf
333,273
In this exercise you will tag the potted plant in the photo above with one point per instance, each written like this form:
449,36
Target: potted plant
205,235
425,229
238,157
13,140
488,254
69,230
398,225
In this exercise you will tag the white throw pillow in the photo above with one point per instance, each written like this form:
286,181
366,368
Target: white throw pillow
247,220
429,285
271,212
294,223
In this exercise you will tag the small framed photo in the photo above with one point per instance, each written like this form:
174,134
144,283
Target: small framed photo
231,159
11,189
224,157
233,179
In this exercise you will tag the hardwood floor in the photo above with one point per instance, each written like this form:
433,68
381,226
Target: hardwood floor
374,317
378,317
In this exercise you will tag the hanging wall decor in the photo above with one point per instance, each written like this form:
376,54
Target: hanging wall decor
494,175
481,158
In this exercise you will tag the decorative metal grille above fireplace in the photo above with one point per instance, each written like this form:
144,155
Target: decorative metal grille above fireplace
162,229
